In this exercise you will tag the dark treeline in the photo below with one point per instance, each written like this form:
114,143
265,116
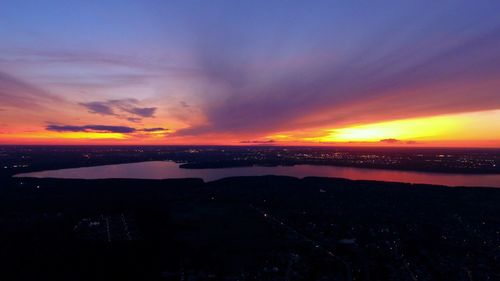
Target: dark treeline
249,228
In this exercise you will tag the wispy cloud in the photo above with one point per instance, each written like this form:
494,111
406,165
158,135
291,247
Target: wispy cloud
18,93
422,75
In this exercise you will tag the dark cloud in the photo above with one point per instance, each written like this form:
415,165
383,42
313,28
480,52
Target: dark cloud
98,107
101,129
141,111
91,128
158,129
257,141
113,129
119,107
396,141
134,119
390,141
65,128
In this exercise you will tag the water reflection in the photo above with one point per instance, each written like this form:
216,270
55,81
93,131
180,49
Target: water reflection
167,169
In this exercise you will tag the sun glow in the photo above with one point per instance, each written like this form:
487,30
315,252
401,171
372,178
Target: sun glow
467,126
411,129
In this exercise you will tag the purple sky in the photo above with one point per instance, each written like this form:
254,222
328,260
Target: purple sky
245,69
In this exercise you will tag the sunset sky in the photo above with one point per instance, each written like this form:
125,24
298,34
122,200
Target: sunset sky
405,73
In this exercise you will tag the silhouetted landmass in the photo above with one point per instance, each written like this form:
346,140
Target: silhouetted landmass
248,228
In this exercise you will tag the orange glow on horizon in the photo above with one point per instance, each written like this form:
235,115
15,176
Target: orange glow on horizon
476,129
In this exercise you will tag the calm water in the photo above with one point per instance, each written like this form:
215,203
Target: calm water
167,170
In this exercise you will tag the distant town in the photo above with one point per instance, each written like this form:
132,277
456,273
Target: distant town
18,159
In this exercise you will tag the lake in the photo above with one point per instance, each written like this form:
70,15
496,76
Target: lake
169,170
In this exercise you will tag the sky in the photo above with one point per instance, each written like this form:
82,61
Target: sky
382,73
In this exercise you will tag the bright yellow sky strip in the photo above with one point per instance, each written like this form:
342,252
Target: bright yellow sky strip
467,126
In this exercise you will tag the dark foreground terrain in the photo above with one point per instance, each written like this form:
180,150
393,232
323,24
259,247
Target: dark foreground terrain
258,228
